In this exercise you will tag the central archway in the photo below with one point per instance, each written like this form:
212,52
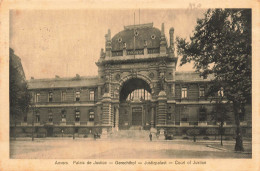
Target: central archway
133,84
135,96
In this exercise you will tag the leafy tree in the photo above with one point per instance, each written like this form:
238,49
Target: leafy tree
220,115
221,46
19,95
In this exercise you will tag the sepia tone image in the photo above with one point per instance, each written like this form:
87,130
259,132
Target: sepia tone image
132,83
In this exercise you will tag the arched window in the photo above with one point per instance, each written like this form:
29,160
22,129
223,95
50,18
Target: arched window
139,94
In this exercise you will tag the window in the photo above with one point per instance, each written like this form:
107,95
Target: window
169,116
25,119
221,92
184,118
202,114
77,96
184,92
170,88
77,116
91,116
37,97
63,96
50,117
50,96
63,115
37,118
202,91
139,94
91,95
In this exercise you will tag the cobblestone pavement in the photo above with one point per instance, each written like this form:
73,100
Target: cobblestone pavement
84,148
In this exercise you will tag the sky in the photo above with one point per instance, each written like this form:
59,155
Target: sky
68,42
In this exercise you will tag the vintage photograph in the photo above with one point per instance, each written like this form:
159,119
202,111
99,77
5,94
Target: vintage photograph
130,83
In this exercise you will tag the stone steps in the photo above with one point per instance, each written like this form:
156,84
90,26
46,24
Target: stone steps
130,134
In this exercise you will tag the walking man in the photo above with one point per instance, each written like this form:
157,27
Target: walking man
151,136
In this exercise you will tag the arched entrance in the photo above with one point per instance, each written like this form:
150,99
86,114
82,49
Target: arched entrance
135,102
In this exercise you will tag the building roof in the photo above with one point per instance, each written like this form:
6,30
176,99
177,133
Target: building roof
63,82
143,32
190,76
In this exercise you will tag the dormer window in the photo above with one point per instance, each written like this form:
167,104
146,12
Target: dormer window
119,39
153,36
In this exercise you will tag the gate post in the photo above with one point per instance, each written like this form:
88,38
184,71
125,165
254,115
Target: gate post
161,122
107,115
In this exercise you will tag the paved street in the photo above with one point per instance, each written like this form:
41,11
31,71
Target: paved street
84,148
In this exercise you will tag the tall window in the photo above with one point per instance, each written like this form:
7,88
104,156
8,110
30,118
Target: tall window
221,92
63,115
91,116
50,116
50,96
202,114
63,96
184,92
25,119
184,118
91,95
37,118
37,97
77,96
202,91
77,116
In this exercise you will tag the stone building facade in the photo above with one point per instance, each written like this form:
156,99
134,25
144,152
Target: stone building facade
137,87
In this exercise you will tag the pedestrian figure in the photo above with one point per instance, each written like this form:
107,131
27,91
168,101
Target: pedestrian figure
151,136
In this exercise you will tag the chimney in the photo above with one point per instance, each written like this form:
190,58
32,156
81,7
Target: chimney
162,30
163,41
108,44
171,32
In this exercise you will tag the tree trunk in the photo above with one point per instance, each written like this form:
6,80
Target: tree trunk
239,141
221,143
221,132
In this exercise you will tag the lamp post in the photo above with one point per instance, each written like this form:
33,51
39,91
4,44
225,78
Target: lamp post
33,123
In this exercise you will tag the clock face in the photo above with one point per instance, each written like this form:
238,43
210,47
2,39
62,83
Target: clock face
153,36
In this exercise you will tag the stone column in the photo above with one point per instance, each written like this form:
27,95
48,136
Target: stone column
117,118
152,116
162,113
107,113
99,92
